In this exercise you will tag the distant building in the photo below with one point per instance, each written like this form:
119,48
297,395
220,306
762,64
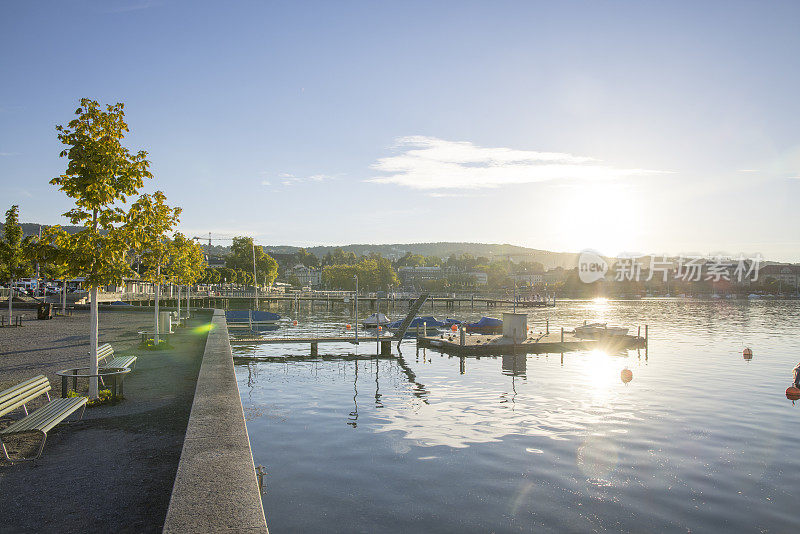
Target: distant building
528,279
414,275
788,275
481,278
215,262
307,276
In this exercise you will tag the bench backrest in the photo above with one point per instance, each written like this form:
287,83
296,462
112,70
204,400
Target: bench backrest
104,351
23,393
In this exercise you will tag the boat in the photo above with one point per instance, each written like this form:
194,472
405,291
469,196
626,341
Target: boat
450,322
596,330
250,319
374,320
431,324
486,325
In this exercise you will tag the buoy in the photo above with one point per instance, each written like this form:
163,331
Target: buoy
380,328
626,375
454,328
347,326
792,393
747,354
294,323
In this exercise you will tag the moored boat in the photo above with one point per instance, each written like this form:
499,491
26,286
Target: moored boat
375,320
486,325
596,330
250,319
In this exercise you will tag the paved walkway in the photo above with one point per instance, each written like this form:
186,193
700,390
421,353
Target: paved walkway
113,471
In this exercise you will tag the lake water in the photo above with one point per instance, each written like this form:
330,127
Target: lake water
699,440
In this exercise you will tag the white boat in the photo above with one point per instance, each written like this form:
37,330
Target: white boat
595,330
374,320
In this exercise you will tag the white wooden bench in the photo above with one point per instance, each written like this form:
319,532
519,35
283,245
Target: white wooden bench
41,420
106,351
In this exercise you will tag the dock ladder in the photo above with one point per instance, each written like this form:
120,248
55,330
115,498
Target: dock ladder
412,312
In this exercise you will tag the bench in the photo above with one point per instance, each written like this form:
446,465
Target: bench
106,351
41,420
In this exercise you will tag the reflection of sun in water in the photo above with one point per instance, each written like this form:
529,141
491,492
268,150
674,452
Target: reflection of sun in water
599,372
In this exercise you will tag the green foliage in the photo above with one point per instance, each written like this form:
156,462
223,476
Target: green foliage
104,397
13,260
241,259
340,257
149,221
374,273
101,173
187,263
306,258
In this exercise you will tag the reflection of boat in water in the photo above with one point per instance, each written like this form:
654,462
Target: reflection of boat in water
596,330
486,325
431,324
251,320
374,320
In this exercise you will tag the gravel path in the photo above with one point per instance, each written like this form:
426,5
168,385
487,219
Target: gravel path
113,471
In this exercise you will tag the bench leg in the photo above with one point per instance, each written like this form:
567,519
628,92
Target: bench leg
5,452
64,387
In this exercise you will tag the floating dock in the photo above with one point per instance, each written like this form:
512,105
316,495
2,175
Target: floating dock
535,344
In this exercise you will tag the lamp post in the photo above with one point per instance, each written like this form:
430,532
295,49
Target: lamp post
355,277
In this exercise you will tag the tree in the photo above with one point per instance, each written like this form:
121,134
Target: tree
101,174
306,258
241,258
188,265
149,223
12,254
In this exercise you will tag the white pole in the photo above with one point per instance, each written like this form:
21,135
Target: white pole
93,336
356,277
255,276
158,297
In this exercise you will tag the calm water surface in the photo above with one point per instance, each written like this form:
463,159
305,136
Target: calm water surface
700,440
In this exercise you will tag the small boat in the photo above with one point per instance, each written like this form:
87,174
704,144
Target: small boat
427,324
374,320
596,330
486,325
250,319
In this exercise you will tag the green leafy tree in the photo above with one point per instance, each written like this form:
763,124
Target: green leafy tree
187,266
101,173
149,223
12,254
306,258
241,257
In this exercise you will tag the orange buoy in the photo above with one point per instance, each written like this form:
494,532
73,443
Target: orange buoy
626,375
454,328
793,393
294,323
347,326
380,328
747,354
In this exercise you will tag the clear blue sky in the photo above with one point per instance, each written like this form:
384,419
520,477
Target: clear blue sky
620,126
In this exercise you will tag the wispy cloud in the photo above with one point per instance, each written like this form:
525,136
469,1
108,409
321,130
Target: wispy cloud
432,163
748,170
288,179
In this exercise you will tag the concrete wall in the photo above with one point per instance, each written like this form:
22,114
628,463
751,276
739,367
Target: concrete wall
216,489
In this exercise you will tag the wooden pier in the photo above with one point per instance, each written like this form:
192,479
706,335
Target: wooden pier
314,341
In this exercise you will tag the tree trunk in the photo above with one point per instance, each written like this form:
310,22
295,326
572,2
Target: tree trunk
64,298
179,304
10,302
155,322
93,334
188,306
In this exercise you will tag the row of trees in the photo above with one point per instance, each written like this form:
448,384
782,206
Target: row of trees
101,176
374,273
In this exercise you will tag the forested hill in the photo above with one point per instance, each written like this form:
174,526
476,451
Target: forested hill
444,250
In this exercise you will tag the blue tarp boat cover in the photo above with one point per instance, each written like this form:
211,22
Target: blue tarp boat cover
417,322
120,303
243,316
486,322
450,322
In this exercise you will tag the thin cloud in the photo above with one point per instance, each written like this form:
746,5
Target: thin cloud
432,163
288,179
748,170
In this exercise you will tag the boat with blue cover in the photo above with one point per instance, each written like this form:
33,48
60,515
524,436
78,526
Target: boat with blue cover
486,325
251,319
431,324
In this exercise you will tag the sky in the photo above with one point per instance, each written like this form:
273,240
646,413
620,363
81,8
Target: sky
650,127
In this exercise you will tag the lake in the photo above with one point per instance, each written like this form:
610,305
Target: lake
699,440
